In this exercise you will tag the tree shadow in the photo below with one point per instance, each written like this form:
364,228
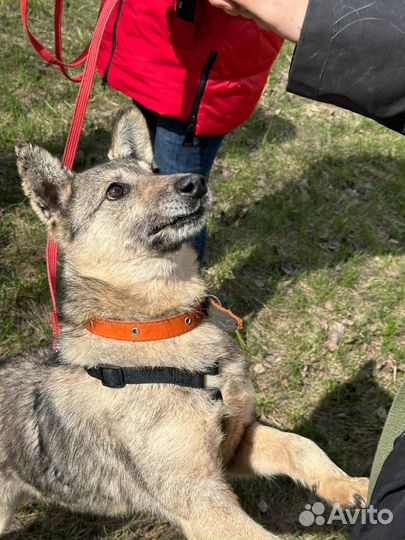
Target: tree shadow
61,524
338,209
345,425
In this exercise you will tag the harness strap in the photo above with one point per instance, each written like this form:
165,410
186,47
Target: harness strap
118,377
89,55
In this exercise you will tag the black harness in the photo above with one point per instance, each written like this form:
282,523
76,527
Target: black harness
118,377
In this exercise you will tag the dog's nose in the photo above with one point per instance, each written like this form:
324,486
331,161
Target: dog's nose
193,186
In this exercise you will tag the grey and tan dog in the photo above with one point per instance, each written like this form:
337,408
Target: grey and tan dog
159,448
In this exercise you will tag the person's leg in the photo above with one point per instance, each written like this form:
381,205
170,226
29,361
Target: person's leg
172,157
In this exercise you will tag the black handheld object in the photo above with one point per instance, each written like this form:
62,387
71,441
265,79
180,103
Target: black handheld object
185,9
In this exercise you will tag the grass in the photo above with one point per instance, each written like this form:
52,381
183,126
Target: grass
307,243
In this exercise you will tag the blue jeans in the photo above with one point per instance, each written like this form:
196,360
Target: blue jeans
172,157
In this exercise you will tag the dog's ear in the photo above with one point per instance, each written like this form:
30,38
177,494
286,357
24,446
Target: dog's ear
45,181
131,138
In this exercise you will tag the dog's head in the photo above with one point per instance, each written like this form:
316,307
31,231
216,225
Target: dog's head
117,209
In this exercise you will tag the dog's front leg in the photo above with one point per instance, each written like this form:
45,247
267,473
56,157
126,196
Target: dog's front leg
215,514
187,480
267,451
9,497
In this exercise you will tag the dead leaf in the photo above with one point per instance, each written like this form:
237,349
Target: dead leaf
324,325
330,245
259,369
390,364
336,333
272,359
381,413
290,268
393,241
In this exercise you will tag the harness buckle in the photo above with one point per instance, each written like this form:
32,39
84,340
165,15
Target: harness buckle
112,376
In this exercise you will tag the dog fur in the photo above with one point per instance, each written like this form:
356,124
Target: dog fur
162,449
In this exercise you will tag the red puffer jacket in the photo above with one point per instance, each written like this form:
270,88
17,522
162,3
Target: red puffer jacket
210,71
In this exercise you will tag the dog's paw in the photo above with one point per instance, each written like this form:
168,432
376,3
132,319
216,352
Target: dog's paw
345,490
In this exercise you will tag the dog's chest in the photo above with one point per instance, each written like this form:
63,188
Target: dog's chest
107,450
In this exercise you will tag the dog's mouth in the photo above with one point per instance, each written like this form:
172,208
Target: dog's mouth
181,221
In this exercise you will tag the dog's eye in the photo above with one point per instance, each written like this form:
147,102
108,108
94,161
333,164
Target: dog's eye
115,191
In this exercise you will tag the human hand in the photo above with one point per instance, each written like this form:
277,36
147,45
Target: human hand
285,17
232,8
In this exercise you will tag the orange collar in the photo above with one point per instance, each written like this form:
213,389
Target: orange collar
137,331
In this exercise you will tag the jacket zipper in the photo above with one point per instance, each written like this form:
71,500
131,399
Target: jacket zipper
190,131
114,43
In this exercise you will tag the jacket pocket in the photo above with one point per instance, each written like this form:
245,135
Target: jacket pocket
182,31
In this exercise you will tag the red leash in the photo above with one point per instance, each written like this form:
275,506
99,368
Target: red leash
86,79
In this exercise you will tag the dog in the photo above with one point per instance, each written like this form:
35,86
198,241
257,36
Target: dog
165,448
